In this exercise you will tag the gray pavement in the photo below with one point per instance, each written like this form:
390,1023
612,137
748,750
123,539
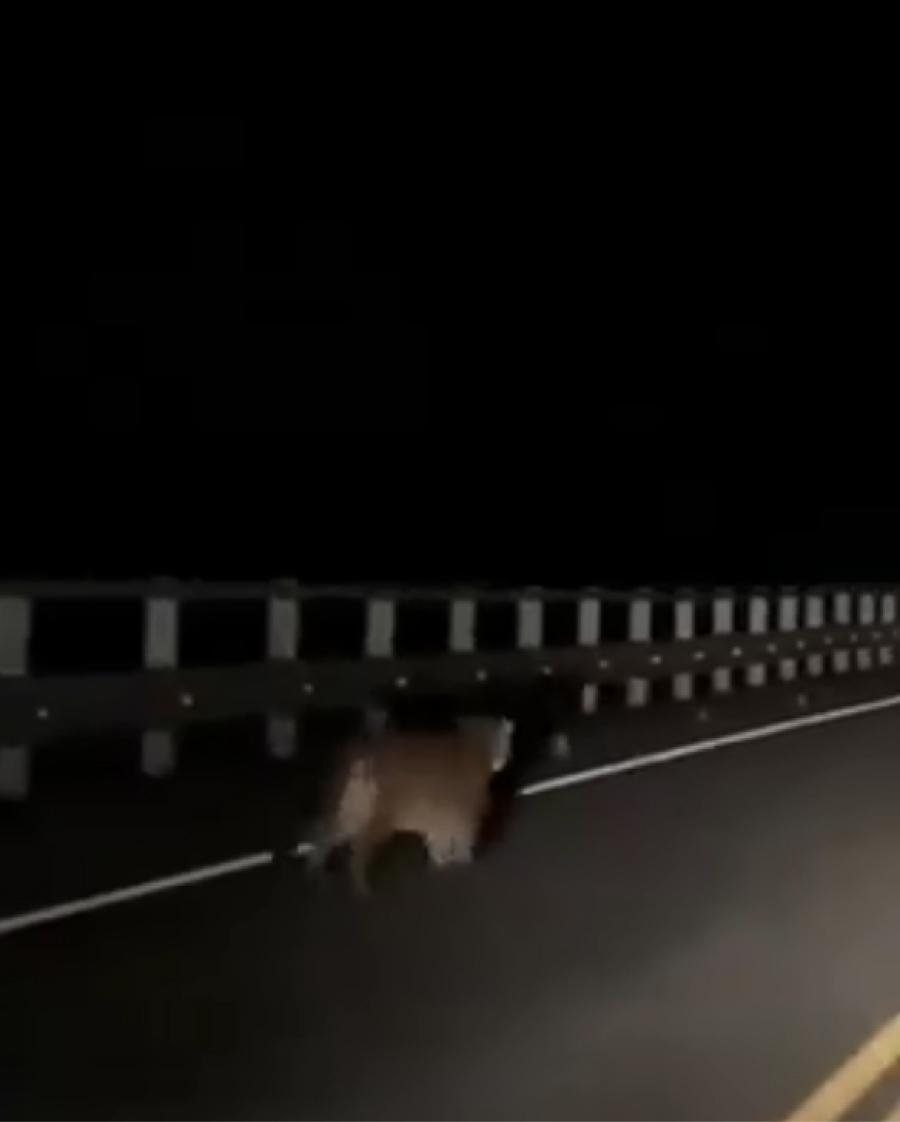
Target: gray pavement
703,939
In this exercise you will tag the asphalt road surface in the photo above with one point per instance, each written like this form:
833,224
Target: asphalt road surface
704,938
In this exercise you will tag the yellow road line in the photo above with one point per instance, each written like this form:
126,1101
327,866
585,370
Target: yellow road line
853,1079
894,1116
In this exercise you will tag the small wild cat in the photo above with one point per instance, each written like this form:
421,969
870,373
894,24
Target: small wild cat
436,785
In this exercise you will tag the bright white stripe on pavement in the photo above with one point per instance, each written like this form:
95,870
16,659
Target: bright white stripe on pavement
136,891
210,872
695,748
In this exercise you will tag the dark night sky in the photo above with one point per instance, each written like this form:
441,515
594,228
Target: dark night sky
258,347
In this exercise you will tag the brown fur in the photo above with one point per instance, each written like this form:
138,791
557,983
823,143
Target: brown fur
436,785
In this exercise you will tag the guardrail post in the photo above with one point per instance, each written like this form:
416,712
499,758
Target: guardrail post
758,624
158,750
815,618
158,753
282,645
685,630
866,619
637,690
15,635
723,624
160,632
842,611
462,625
15,638
15,771
281,736
889,620
283,623
375,720
589,636
381,614
787,622
529,623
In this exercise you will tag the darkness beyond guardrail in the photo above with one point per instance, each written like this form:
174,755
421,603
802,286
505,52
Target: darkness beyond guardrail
752,637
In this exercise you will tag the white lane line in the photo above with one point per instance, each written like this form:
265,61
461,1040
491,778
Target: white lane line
11,924
695,748
136,891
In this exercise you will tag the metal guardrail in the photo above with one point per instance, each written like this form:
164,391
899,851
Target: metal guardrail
786,632
199,590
